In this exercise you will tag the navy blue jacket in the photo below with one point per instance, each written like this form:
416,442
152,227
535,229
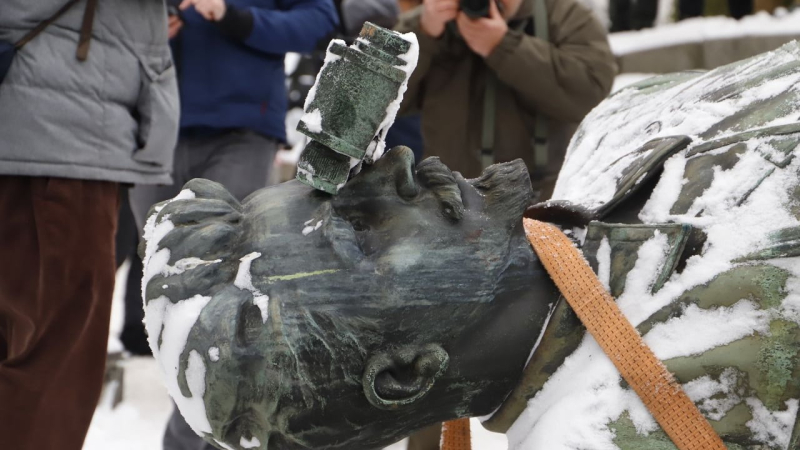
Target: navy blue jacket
231,73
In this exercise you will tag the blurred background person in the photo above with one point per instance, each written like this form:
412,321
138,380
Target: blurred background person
230,61
696,8
407,129
480,84
627,15
75,124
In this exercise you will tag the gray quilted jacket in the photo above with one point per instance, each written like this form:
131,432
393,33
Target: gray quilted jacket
113,117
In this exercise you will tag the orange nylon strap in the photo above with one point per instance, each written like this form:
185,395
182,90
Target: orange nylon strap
598,311
455,435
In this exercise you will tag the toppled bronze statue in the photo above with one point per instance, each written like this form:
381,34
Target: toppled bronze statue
301,320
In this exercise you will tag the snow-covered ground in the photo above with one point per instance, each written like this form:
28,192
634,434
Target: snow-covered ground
138,422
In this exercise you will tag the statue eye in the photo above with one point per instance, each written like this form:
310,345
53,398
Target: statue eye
359,225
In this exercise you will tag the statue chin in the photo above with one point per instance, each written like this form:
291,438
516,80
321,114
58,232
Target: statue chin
298,319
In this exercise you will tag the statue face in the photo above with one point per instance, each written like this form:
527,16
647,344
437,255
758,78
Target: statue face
410,297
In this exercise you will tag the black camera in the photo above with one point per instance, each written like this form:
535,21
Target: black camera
475,8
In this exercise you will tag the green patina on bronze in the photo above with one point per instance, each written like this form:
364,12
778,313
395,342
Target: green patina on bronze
777,361
299,275
353,92
627,437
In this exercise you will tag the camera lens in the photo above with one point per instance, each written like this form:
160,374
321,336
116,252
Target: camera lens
475,8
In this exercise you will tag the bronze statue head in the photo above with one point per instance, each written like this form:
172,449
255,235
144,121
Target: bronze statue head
345,321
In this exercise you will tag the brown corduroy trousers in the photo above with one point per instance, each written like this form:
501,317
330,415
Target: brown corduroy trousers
56,282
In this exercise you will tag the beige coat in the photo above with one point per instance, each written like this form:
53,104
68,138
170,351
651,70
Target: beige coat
562,79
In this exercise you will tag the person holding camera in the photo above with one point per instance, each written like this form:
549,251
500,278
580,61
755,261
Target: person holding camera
499,80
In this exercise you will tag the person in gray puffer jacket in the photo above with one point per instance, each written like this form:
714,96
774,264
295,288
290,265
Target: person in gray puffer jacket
70,132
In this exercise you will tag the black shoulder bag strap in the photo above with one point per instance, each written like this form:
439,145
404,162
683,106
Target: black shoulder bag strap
44,24
85,37
85,33
539,141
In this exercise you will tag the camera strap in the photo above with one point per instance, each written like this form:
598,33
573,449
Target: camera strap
542,31
539,140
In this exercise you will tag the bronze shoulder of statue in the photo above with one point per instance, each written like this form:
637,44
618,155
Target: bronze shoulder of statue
298,319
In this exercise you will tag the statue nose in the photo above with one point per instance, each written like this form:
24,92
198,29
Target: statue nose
393,173
401,159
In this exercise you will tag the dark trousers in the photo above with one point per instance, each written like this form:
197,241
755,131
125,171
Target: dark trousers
133,336
56,283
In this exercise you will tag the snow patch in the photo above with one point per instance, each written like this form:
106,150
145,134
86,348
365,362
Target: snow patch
213,354
182,265
698,330
244,281
253,442
378,145
772,428
330,57
309,228
714,397
170,323
313,121
604,263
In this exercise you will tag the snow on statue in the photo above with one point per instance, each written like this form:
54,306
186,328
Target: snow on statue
302,320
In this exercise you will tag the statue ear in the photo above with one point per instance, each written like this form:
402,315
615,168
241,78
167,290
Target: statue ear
402,376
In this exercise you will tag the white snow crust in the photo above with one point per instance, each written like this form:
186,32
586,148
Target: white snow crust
578,402
313,120
308,229
627,120
706,29
244,281
330,57
378,145
249,443
772,427
213,354
169,322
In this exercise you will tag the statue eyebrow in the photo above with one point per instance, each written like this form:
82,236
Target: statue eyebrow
437,177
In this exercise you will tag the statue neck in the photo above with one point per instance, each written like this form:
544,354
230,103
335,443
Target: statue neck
552,347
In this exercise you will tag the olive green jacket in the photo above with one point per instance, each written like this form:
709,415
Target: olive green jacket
562,79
